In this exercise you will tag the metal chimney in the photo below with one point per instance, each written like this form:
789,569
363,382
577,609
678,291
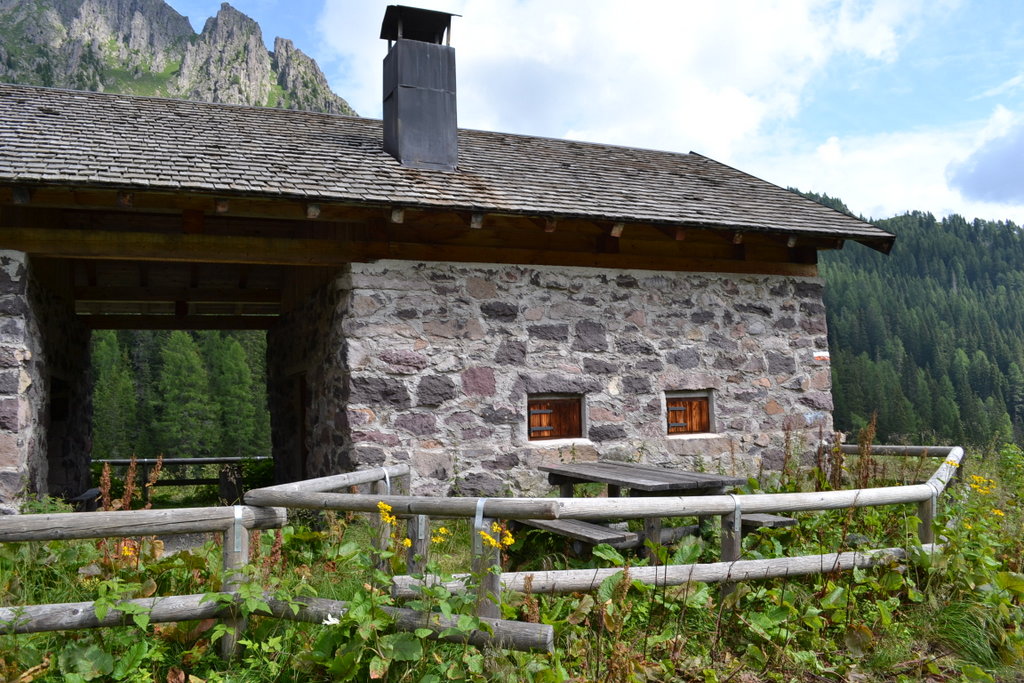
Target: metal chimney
419,88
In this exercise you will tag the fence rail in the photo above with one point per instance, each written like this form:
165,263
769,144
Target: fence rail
234,523
390,484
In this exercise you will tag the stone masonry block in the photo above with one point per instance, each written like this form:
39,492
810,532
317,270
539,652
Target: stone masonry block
376,390
434,390
478,381
590,336
9,414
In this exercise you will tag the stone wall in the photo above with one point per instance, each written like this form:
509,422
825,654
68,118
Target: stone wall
44,387
432,363
305,371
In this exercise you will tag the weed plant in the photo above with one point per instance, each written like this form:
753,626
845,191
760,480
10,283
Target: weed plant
951,616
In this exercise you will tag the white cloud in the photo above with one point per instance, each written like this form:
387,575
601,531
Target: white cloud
726,79
663,74
1007,86
993,168
889,174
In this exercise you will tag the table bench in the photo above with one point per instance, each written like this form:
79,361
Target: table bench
639,480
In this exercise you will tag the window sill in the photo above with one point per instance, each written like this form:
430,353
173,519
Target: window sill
558,443
693,437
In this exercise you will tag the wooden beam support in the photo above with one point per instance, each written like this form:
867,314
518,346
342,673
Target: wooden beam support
222,205
550,224
617,229
737,238
791,241
174,322
607,244
126,200
476,221
397,216
510,255
136,246
145,294
312,211
141,246
192,222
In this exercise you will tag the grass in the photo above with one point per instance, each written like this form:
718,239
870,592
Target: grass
950,617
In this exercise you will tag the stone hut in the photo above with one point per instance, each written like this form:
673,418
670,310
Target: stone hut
475,306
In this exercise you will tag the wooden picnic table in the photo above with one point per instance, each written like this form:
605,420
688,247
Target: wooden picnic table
639,480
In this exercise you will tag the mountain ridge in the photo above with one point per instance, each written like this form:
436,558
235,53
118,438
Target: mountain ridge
145,47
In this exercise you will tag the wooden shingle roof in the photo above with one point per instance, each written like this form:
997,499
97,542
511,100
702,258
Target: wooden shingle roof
70,138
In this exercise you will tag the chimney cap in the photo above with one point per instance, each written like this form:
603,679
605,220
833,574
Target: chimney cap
413,23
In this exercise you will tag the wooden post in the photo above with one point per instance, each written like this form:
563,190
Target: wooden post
418,531
236,556
926,513
732,538
383,540
485,558
652,529
707,523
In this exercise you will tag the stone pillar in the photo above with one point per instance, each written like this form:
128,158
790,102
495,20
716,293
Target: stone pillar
44,385
305,368
18,437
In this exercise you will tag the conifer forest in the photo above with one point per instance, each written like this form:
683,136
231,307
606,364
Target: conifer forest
930,337
179,394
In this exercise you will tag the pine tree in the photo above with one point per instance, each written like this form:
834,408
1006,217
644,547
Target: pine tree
114,404
231,391
186,425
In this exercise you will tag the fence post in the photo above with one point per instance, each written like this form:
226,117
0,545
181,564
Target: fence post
485,558
382,487
926,513
236,556
418,531
732,538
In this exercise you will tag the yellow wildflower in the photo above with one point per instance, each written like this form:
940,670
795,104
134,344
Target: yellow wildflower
385,514
506,539
953,463
490,540
998,512
407,542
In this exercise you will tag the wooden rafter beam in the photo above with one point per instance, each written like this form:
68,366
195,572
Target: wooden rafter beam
207,248
167,294
182,248
175,322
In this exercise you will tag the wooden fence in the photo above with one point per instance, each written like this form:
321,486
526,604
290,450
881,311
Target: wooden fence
265,510
418,509
229,478
234,522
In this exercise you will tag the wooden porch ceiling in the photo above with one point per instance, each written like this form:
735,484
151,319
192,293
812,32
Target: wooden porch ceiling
161,261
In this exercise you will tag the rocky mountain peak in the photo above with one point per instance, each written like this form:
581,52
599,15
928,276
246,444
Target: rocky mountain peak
145,47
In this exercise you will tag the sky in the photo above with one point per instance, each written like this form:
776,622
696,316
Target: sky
890,105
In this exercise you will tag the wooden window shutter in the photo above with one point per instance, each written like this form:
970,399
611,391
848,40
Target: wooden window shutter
555,418
688,415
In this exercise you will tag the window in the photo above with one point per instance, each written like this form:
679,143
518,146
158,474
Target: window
555,417
689,412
